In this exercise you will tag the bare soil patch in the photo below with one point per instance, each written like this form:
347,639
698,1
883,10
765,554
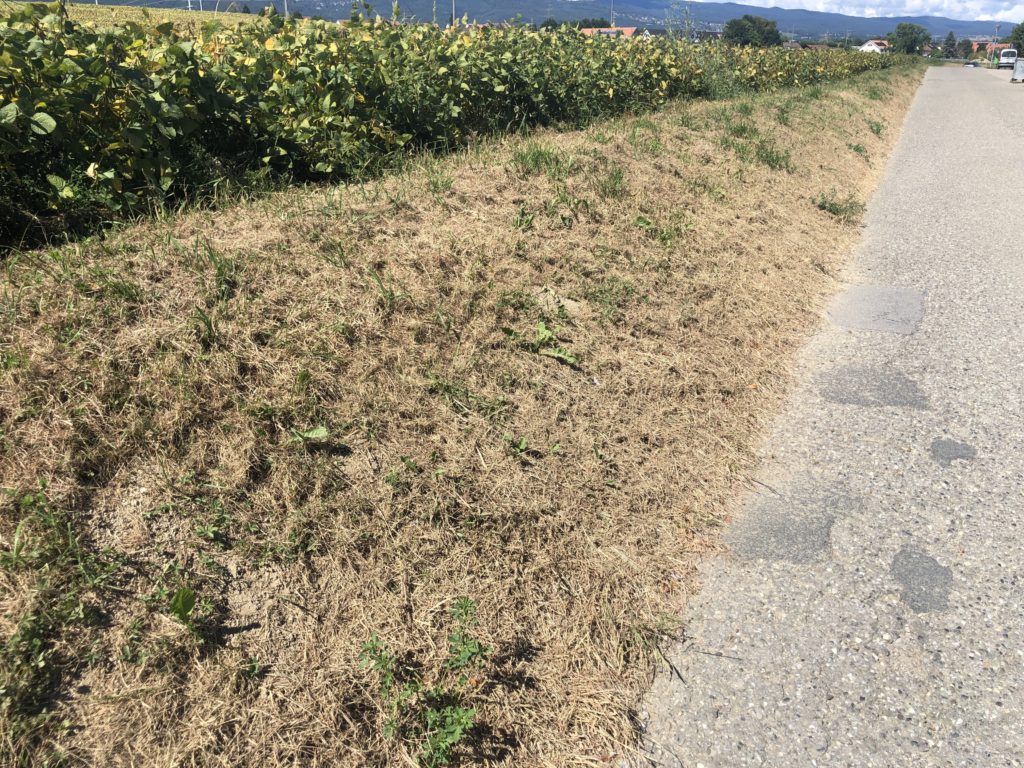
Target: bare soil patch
530,375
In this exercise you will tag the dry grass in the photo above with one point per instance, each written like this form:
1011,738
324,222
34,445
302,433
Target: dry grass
111,14
159,383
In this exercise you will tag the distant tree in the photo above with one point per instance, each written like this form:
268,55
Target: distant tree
1017,37
679,20
246,8
908,38
949,46
964,49
552,23
752,30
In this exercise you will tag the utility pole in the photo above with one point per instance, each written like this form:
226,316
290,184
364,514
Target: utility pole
611,13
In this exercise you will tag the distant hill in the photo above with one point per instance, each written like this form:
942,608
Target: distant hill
654,13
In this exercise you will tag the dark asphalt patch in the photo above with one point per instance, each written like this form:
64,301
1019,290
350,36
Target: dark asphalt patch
946,451
796,529
873,386
925,583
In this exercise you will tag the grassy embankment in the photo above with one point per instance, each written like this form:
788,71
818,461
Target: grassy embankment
412,470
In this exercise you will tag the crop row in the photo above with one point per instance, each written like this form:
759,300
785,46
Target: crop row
98,120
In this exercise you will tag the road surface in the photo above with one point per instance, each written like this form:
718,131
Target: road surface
870,611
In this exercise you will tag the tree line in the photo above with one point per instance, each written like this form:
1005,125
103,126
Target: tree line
764,33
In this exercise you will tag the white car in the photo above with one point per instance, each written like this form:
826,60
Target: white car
1007,58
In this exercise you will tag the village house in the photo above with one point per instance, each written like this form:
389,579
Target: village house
874,46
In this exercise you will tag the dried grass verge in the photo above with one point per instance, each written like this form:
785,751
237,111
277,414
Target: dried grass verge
258,459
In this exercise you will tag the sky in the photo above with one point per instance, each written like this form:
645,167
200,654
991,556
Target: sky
1005,10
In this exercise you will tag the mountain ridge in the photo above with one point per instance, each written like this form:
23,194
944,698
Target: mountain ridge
648,13
797,22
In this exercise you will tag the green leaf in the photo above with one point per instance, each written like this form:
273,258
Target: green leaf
182,604
9,113
43,124
317,433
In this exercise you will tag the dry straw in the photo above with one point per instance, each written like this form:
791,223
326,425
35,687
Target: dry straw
333,412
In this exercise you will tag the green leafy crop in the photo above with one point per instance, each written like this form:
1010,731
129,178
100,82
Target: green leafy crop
94,121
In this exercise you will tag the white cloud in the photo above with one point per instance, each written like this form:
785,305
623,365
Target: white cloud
971,10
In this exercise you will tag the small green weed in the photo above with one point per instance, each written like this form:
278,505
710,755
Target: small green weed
536,158
519,448
610,296
742,130
225,272
206,329
334,252
688,120
13,359
643,137
664,235
565,207
704,186
439,182
876,126
108,283
389,297
523,219
860,149
545,343
515,301
465,402
432,720
612,185
768,154
215,525
53,637
182,604
744,151
847,209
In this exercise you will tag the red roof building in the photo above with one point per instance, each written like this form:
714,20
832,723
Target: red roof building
610,31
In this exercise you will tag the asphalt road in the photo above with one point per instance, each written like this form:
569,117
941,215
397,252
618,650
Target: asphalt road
870,611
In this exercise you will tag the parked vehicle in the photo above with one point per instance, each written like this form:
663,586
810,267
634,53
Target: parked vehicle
1007,58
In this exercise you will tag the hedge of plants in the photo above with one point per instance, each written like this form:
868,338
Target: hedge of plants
109,121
